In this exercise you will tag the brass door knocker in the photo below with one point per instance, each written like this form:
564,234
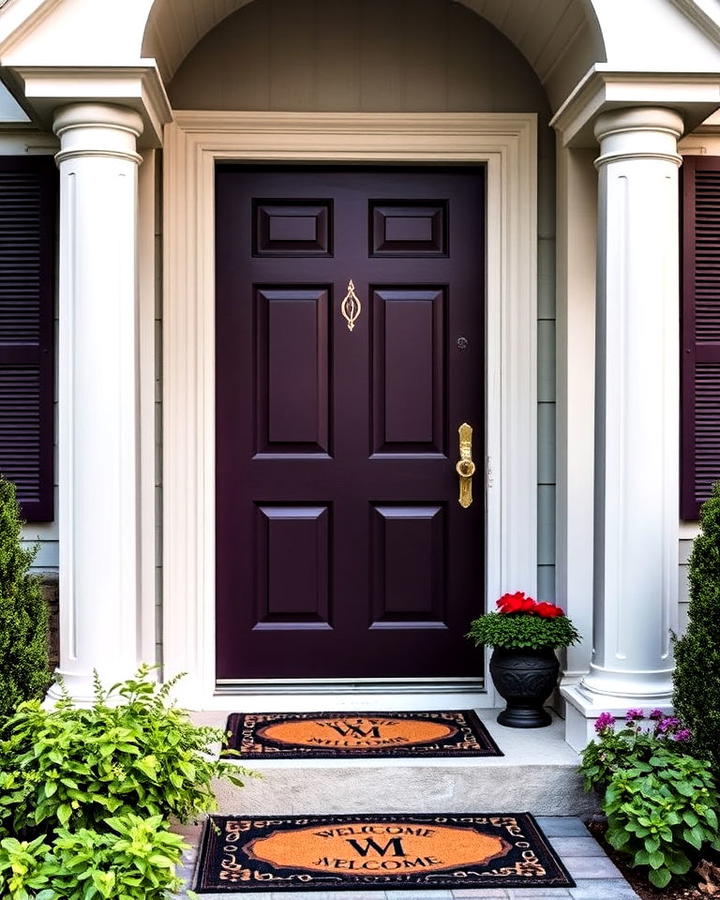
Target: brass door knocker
351,307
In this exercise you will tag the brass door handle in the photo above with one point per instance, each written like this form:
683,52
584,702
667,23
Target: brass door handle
465,466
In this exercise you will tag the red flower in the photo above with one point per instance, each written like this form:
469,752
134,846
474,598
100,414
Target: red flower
548,610
517,602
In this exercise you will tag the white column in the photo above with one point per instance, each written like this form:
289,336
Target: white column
98,394
636,419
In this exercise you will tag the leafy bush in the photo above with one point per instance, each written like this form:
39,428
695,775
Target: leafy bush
661,803
85,794
697,672
136,858
662,813
24,666
631,747
73,768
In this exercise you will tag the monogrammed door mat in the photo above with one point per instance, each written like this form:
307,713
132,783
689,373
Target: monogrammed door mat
335,853
348,735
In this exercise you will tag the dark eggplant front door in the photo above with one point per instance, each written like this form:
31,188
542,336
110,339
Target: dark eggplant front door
342,549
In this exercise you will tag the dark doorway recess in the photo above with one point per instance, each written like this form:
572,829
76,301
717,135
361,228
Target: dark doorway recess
342,550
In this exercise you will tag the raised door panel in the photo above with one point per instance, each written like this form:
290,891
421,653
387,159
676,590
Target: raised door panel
293,228
408,228
409,379
293,567
408,554
292,379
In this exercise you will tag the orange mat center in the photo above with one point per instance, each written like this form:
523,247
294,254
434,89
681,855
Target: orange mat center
385,848
356,732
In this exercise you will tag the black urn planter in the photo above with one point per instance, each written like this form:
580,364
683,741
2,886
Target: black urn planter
525,679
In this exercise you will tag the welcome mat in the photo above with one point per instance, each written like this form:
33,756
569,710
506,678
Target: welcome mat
311,853
355,735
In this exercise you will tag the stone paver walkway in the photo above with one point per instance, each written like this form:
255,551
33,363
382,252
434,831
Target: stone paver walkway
596,876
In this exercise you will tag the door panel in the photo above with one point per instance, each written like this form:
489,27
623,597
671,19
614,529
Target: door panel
302,228
409,383
293,567
404,229
408,565
292,353
342,550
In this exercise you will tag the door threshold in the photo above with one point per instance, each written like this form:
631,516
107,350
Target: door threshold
351,694
225,687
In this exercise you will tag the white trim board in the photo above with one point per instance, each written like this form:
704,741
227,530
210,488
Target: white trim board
194,142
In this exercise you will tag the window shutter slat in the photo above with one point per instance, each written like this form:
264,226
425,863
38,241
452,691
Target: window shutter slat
28,188
700,350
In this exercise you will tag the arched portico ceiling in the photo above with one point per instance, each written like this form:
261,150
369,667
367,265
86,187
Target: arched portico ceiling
548,33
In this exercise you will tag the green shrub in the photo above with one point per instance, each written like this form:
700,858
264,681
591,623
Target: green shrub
663,813
661,802
696,696
631,747
74,768
24,667
135,858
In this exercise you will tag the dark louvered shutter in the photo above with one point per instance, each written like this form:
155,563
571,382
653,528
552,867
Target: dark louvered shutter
28,188
700,341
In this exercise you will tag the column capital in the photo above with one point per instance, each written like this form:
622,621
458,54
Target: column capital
638,118
97,129
639,132
110,115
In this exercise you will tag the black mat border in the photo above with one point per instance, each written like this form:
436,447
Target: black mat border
208,833
381,753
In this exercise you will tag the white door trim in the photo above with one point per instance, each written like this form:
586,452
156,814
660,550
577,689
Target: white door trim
506,144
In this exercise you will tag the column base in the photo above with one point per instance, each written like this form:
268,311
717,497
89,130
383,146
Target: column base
582,710
80,689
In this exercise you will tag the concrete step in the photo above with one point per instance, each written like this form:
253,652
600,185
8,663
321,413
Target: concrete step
537,774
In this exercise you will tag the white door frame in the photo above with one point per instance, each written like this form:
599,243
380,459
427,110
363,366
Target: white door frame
507,145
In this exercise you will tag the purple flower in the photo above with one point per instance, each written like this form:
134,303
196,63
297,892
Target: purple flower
604,721
684,734
633,714
670,723
656,714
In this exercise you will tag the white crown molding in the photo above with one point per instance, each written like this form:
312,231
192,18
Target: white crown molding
694,95
221,122
138,86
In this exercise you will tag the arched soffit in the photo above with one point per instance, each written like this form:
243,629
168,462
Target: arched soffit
560,39
301,55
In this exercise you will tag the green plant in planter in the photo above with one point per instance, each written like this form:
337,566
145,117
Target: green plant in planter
24,667
696,678
524,668
75,768
520,622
